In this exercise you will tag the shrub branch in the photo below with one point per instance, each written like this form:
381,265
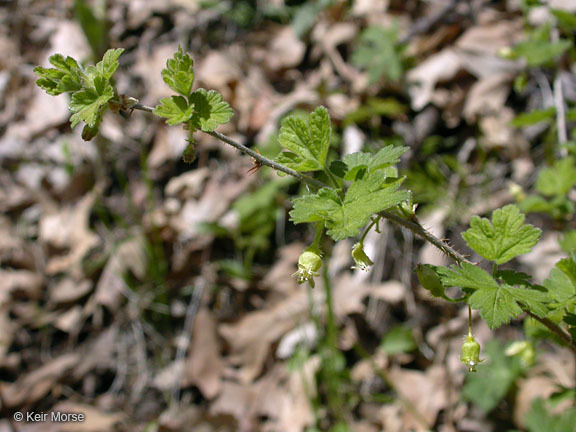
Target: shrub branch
413,226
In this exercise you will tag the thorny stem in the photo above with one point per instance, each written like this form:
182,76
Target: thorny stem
415,227
420,231
261,159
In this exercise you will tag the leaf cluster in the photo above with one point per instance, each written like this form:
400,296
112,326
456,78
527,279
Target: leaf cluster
362,184
198,110
90,88
504,294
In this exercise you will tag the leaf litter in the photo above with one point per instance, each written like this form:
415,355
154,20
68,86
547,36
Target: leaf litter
95,284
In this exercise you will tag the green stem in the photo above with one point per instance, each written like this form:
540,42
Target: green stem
331,329
469,320
368,228
331,177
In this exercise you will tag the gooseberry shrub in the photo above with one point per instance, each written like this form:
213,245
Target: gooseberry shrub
346,198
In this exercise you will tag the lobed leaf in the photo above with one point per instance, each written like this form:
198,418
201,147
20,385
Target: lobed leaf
209,110
66,76
345,217
503,238
175,109
557,180
360,161
307,143
561,283
179,73
466,276
499,304
88,105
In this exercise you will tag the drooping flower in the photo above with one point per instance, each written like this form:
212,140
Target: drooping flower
309,263
471,353
361,260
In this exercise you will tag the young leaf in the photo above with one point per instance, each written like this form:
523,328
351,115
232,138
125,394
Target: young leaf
539,419
533,117
429,279
210,110
467,276
307,143
386,157
561,284
499,304
344,218
88,105
503,238
175,109
378,54
179,73
109,63
557,180
67,75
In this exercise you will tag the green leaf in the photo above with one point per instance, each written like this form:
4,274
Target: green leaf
499,304
88,105
538,418
175,109
566,20
561,283
490,384
557,180
533,117
66,76
467,276
378,54
430,280
210,110
179,73
568,241
398,340
307,143
359,162
344,217
503,238
541,52
109,63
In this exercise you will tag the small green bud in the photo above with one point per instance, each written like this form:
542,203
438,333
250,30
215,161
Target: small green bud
470,353
189,154
309,263
524,350
362,261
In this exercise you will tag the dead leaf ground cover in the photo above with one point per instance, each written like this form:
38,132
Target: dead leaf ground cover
150,294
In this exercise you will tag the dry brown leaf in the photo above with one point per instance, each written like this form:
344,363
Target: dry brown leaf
70,320
97,353
426,391
68,229
487,96
7,330
288,50
130,255
69,290
204,366
33,386
252,336
24,281
442,66
95,419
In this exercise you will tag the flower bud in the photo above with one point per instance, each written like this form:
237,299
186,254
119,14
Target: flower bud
470,353
361,260
524,350
308,265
